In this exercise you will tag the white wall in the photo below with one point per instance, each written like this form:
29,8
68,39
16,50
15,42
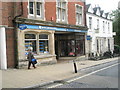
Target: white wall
102,36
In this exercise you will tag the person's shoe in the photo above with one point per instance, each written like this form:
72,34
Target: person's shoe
34,67
28,68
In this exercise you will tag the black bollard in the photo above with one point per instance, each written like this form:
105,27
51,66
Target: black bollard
75,67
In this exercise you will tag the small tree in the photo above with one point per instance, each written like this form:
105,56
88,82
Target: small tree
116,25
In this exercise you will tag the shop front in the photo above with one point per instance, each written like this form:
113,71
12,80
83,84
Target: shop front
69,44
49,43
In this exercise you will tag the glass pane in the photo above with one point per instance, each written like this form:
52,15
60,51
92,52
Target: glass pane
63,4
38,5
43,46
59,4
63,14
43,36
31,7
31,10
30,4
30,45
30,36
39,8
58,15
38,12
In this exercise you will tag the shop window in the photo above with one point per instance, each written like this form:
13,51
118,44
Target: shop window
43,43
30,42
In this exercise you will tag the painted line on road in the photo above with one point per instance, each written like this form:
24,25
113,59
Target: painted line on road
83,76
91,73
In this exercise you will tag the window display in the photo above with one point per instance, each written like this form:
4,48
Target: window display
31,42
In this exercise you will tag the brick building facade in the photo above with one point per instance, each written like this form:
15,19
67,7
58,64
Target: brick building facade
51,29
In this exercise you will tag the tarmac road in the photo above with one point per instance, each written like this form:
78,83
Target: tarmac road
102,76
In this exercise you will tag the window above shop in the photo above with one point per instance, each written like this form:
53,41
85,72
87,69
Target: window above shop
36,9
79,14
62,11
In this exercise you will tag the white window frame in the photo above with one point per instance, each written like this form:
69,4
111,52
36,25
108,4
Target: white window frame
108,27
98,22
61,8
34,15
29,7
103,26
90,22
79,22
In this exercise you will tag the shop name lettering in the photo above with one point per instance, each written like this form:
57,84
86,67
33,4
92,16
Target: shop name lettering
54,28
49,28
23,26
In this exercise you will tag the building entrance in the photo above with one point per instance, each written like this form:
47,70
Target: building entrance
69,45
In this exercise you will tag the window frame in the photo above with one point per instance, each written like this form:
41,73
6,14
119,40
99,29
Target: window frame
30,40
41,10
59,11
43,40
37,40
90,22
29,8
79,21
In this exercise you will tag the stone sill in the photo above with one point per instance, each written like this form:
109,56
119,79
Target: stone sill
44,56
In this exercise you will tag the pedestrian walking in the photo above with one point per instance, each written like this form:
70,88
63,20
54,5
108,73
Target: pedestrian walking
30,57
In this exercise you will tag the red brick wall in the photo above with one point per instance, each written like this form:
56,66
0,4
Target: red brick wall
71,12
50,11
25,10
10,47
7,15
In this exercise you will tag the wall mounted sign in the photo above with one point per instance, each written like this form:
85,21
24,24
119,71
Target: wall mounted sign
25,26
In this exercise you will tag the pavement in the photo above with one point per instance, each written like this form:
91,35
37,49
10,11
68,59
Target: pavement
24,78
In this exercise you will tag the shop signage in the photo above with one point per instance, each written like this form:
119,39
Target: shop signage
25,26
22,27
88,37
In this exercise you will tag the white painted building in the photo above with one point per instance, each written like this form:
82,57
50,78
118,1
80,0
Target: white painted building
100,31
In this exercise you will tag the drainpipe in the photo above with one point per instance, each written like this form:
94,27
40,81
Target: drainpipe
3,57
16,36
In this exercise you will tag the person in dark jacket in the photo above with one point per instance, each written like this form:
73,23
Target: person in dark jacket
30,57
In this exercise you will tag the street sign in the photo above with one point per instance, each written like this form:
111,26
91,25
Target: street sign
88,37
